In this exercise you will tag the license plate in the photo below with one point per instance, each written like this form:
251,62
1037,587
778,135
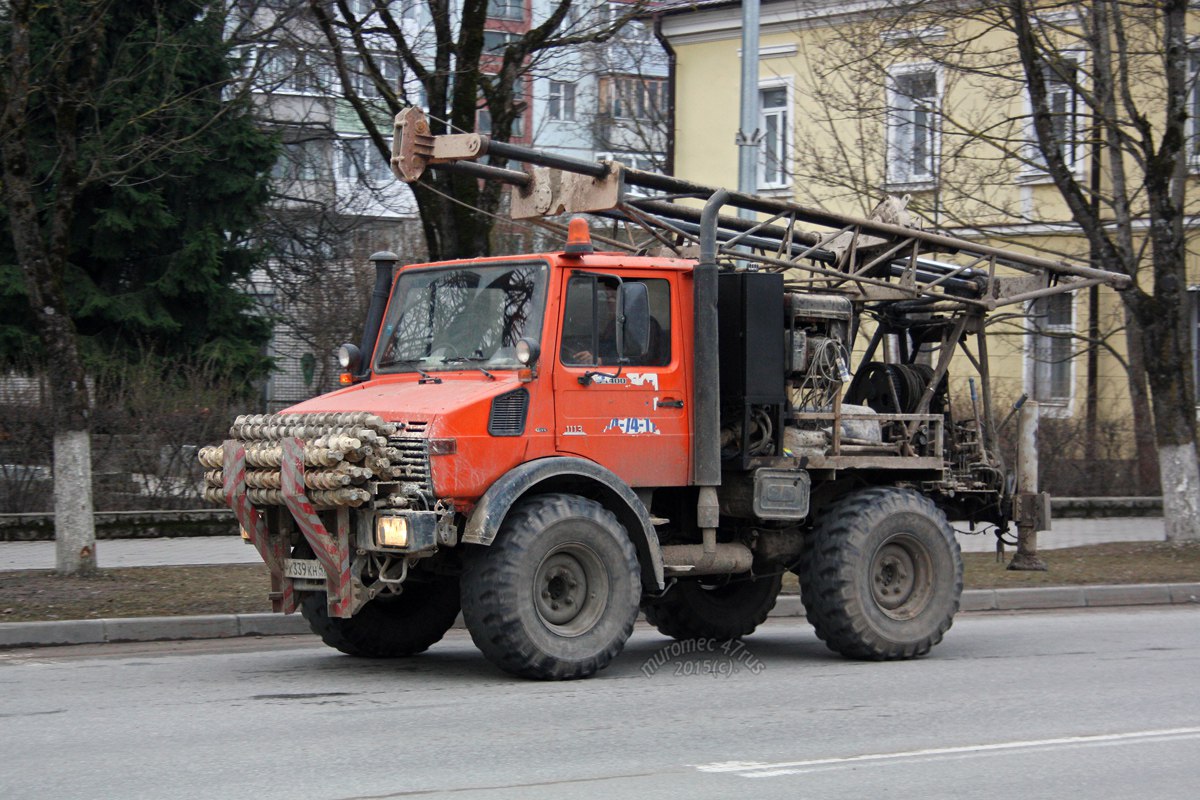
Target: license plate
303,568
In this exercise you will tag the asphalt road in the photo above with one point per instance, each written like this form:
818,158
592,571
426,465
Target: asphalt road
1084,704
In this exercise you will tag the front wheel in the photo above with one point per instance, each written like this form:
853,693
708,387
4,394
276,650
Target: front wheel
556,595
389,627
882,576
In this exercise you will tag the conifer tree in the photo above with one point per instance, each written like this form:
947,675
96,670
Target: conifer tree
130,174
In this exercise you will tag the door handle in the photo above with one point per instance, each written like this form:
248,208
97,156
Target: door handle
670,403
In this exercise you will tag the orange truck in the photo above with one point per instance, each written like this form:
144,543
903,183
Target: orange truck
550,442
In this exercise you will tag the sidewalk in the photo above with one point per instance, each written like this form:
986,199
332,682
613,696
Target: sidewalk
1073,532
232,550
111,553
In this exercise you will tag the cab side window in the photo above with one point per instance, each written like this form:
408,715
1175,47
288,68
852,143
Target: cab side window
589,329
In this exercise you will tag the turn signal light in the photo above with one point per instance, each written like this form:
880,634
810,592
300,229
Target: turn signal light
579,238
345,379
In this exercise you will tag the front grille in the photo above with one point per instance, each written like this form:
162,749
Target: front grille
508,414
413,461
415,427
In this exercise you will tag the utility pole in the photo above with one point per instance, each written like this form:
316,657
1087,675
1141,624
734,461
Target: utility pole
748,134
1092,402
1032,510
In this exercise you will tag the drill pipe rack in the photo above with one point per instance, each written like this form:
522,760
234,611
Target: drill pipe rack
877,259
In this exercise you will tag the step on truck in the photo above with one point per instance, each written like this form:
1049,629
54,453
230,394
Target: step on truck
668,418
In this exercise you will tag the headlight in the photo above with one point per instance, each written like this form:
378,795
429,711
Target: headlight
527,351
391,532
349,357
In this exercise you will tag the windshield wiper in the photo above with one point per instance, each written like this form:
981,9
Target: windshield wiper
425,376
470,359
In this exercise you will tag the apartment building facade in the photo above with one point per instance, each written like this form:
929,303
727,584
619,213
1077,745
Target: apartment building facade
927,99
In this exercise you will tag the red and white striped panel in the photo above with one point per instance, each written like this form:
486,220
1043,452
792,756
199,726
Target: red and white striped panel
333,553
272,550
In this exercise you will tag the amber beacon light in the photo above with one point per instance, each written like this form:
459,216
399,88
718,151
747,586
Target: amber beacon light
579,238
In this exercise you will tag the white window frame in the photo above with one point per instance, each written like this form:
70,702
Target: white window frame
560,104
900,172
497,49
1039,363
297,77
640,104
787,114
1035,169
634,30
506,9
483,116
362,83
361,162
302,160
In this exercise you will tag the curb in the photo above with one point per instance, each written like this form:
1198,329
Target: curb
228,626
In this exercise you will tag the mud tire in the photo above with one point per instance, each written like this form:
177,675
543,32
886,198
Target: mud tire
882,576
714,609
549,549
389,627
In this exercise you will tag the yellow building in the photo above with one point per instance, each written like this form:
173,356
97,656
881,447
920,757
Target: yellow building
858,100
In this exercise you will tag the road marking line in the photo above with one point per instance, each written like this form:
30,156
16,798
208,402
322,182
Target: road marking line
759,769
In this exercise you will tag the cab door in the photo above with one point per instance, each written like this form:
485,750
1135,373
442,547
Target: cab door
627,414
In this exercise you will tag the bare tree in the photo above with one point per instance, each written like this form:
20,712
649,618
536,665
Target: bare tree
334,198
453,69
1090,98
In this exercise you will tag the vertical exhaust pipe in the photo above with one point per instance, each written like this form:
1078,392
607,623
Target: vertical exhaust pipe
706,438
385,264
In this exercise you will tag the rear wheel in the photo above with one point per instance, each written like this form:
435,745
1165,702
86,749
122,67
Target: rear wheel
389,627
556,595
882,576
714,608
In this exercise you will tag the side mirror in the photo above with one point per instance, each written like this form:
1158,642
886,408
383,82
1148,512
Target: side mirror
633,316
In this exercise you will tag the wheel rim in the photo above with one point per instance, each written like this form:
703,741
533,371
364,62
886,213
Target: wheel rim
900,577
571,589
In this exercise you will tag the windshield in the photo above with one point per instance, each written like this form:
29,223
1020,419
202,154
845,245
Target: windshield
462,317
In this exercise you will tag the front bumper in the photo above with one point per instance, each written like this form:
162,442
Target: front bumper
319,467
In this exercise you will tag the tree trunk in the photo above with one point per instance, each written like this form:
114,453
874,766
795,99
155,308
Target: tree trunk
1181,491
74,528
1174,423
1168,371
454,229
40,239
1146,480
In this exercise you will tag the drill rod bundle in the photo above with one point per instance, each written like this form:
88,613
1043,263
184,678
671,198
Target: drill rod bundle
342,451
